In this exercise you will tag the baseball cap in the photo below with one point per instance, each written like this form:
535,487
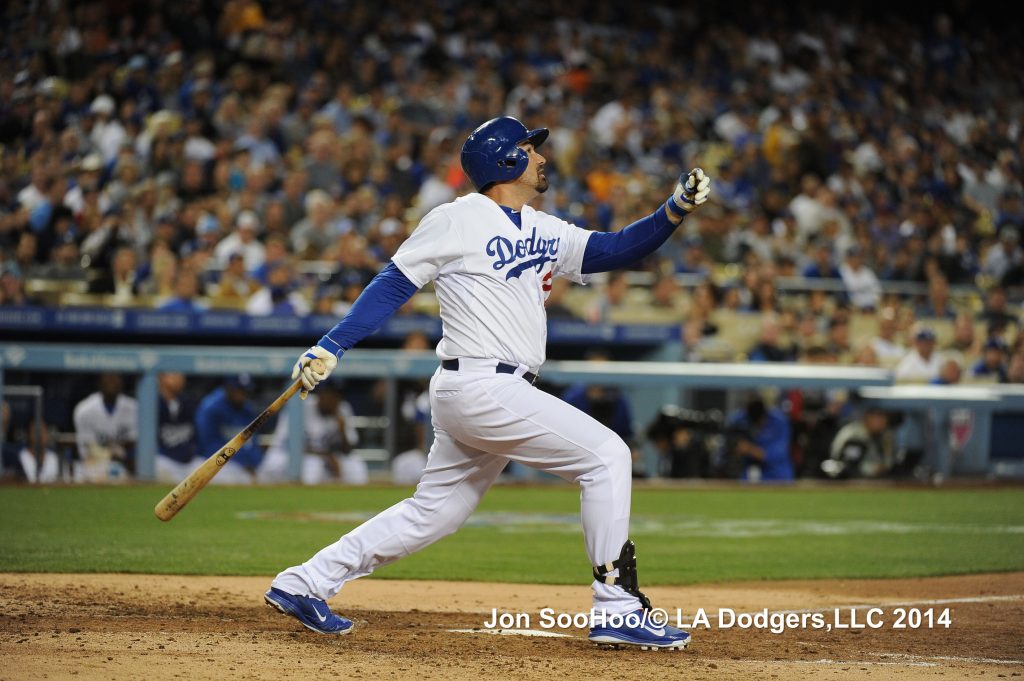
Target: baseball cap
207,223
173,58
103,104
241,382
389,227
995,344
92,162
924,333
247,220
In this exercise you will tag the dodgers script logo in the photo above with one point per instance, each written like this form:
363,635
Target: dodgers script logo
506,252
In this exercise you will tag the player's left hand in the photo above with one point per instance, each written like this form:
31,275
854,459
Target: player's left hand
309,376
692,190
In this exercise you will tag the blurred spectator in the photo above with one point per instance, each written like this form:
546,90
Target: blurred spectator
1005,254
107,134
329,437
993,361
694,345
186,293
106,429
861,283
888,349
276,254
277,297
821,266
235,286
865,448
937,306
921,364
121,280
694,259
243,241
837,342
12,289
996,313
666,296
317,231
769,346
950,372
612,298
176,454
219,417
964,341
1015,370
760,442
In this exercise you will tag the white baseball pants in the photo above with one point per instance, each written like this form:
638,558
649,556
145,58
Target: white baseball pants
481,420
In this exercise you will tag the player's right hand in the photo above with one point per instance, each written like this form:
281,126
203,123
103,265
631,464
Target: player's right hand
692,190
309,377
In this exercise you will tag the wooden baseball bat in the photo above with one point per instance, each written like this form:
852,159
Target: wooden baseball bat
197,479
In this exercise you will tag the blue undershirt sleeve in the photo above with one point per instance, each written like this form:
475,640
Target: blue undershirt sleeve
607,251
388,291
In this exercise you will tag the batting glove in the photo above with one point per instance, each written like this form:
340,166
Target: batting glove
692,190
305,372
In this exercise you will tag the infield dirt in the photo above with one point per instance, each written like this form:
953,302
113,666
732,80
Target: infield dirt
161,627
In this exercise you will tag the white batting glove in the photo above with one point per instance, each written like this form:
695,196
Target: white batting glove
305,372
692,190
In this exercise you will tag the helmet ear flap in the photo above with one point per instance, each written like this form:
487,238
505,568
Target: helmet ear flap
491,153
514,163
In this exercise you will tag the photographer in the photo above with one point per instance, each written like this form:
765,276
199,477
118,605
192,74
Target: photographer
758,440
684,440
865,448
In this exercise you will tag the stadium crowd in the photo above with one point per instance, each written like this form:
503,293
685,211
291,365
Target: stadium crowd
269,157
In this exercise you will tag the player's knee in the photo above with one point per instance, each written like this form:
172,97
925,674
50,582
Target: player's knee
435,518
613,459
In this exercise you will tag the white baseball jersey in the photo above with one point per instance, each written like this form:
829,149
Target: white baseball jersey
491,277
321,432
94,424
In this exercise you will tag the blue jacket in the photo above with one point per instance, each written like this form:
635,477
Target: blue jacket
773,438
217,422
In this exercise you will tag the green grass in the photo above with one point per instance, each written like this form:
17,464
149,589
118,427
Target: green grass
683,535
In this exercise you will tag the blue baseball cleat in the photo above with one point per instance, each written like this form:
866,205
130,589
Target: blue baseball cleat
637,631
311,612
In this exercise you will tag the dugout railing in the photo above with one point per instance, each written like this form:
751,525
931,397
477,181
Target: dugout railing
649,385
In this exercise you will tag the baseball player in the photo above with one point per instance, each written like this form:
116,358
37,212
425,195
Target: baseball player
492,259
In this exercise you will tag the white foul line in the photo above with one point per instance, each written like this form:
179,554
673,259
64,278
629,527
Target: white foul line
851,663
949,658
511,632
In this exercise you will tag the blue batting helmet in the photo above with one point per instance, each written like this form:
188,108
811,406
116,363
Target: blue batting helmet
492,154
